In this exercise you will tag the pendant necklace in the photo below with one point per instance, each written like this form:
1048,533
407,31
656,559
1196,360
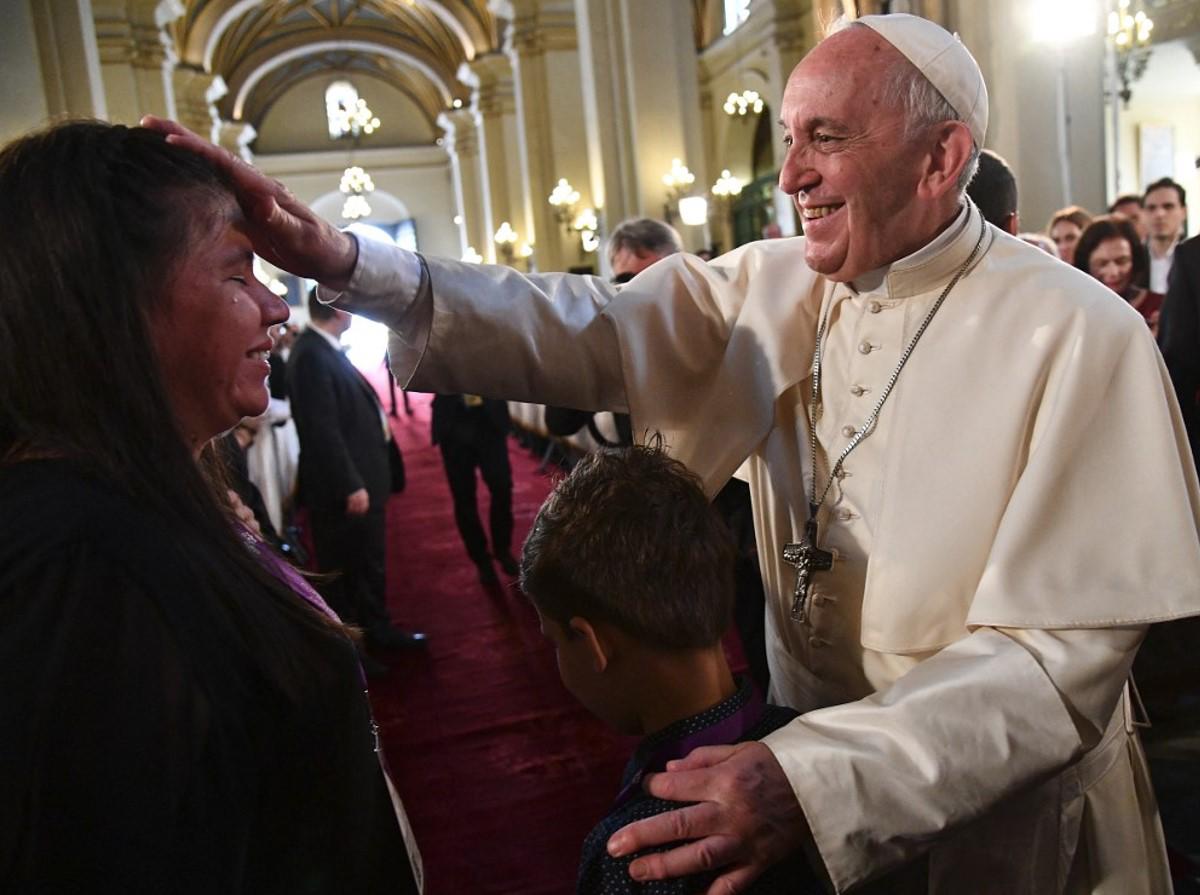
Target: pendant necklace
806,555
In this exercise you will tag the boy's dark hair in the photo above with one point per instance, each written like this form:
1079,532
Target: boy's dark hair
994,189
629,538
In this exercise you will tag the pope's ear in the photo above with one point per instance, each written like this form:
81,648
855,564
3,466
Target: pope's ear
949,154
595,644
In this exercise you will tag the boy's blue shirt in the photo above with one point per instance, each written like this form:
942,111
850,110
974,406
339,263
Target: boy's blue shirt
601,874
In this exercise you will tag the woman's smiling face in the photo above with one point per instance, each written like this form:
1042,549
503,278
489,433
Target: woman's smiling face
212,331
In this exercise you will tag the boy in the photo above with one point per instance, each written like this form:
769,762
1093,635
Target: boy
631,573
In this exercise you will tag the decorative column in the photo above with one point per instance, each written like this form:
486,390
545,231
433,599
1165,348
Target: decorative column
541,44
462,145
137,57
236,136
642,104
494,102
196,96
69,57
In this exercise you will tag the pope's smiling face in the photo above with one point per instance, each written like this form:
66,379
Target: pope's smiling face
850,167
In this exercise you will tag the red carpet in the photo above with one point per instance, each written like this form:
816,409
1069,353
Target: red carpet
501,771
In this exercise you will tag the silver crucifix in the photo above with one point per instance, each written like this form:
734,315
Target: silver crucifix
807,557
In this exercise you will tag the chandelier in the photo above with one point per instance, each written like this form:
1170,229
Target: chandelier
741,104
1129,37
347,112
356,183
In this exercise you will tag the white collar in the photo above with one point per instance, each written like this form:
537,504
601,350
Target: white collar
930,265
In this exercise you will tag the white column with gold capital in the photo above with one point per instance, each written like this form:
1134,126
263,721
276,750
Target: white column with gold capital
542,46
462,144
137,56
642,104
490,78
69,58
196,96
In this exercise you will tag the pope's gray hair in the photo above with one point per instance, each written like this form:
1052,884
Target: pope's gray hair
924,105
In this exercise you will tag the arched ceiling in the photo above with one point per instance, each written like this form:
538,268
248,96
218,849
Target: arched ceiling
263,48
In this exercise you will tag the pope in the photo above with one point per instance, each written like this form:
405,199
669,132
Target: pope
972,492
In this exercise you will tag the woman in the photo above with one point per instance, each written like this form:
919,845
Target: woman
1110,251
1065,229
180,712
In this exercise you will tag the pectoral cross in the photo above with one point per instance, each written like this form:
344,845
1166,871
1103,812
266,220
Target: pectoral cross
807,557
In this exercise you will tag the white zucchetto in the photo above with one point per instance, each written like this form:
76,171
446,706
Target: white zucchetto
941,57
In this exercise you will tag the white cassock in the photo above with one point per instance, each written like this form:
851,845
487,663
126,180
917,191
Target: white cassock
1024,508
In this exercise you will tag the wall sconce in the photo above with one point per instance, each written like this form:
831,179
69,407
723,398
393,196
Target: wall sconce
727,186
471,256
1129,38
563,198
678,182
586,224
505,239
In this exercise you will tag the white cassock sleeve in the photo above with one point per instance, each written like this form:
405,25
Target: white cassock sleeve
518,337
882,779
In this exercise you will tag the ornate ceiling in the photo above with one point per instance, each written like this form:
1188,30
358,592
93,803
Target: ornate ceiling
264,48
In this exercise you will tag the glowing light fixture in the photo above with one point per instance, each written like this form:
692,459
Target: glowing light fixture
693,210
742,104
727,186
356,183
347,112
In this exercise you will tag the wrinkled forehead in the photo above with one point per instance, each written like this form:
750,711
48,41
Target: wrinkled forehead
849,68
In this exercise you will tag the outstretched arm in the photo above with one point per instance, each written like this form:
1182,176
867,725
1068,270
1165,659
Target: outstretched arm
284,230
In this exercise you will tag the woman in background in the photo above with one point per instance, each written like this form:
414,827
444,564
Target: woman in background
181,713
1065,228
1110,251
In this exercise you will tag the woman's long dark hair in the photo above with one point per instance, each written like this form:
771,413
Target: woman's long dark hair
1114,226
93,219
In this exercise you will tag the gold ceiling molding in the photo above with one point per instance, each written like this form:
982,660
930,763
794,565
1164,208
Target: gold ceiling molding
270,45
325,65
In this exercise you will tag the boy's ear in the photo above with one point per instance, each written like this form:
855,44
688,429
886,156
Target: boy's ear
597,645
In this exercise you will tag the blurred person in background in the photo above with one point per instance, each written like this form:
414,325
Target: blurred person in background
1109,251
1166,213
1065,228
1130,205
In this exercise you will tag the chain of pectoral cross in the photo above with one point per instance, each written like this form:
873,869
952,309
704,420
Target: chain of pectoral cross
806,555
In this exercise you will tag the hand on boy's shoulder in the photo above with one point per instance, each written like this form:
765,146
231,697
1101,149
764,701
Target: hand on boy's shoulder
602,874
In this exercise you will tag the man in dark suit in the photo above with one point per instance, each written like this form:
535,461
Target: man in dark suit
1179,335
472,433
347,458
